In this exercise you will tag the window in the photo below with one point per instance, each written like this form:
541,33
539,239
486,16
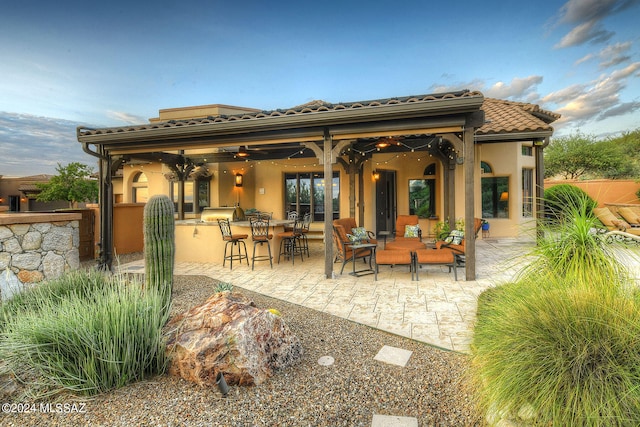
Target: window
188,195
495,197
527,151
192,189
485,167
527,192
140,188
304,192
422,197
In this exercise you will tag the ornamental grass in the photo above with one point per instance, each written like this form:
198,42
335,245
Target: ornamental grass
561,344
85,333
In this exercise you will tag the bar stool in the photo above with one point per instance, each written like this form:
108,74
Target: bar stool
234,240
260,235
289,242
304,231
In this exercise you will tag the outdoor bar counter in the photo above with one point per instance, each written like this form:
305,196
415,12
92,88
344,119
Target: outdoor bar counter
201,241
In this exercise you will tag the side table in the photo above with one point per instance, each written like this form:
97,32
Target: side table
354,249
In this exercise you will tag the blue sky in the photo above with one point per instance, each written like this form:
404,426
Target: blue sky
70,63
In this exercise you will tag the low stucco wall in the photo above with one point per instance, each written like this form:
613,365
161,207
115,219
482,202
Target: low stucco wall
35,247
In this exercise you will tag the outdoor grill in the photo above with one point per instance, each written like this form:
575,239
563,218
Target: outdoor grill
213,214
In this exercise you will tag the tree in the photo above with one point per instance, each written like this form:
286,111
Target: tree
581,155
73,184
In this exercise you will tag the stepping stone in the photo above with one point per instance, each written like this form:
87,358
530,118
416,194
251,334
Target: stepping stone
393,355
393,421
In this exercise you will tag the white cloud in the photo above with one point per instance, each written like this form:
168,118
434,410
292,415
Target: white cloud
596,100
518,89
585,16
31,145
130,119
588,31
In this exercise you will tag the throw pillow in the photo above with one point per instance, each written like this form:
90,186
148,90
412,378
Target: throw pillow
360,233
411,231
353,239
456,237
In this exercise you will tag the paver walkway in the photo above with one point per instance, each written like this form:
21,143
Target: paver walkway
436,309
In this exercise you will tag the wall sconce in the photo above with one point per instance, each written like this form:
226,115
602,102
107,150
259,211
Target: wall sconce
238,180
504,196
376,175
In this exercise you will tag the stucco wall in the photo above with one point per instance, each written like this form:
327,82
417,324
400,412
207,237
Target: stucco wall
34,248
604,190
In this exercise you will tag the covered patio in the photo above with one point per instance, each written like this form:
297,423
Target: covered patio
345,137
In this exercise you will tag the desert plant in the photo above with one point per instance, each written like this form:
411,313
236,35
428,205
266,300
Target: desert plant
90,343
159,245
561,341
570,354
223,287
574,250
74,283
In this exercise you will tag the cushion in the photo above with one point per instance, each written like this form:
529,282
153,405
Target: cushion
620,223
353,238
411,231
457,237
629,215
360,233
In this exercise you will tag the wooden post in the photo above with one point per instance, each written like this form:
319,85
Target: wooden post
469,203
328,204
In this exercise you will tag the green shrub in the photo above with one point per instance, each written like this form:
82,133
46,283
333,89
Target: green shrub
559,198
90,343
569,353
562,340
74,283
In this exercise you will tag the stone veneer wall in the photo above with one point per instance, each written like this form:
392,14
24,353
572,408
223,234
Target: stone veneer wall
36,247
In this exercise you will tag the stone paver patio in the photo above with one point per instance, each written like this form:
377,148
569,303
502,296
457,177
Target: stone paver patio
436,309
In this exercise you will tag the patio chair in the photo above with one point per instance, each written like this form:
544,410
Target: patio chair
630,216
260,235
344,252
407,228
613,223
350,227
235,240
455,239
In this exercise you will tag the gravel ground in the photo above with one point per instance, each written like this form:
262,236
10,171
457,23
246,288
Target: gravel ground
431,388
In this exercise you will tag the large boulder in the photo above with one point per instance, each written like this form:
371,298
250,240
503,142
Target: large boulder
230,335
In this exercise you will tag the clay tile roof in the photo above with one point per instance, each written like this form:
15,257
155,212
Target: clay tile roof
309,107
514,117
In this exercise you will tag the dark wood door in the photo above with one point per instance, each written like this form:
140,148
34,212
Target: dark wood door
386,201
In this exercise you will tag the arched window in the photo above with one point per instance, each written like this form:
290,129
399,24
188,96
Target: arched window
430,170
140,188
484,166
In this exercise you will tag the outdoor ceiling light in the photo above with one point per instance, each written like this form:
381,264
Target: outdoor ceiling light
238,180
242,152
383,143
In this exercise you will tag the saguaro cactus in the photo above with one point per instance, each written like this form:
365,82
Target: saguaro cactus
159,245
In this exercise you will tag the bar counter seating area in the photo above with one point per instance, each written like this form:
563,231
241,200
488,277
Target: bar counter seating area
200,240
